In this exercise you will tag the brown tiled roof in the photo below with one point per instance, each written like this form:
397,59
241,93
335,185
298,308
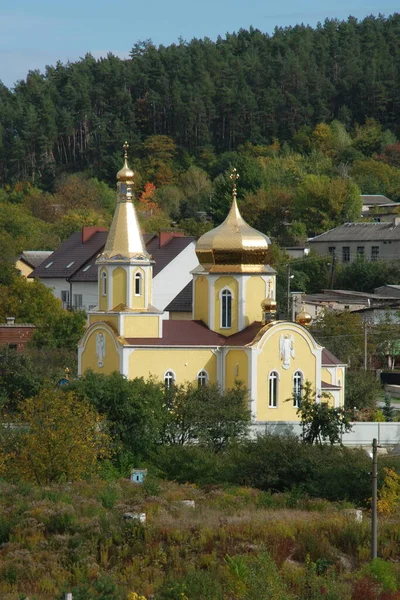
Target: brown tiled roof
196,333
183,301
329,386
329,359
70,251
83,256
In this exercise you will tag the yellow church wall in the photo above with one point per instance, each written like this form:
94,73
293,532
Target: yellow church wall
149,283
103,299
255,294
180,316
220,284
201,299
141,326
109,319
326,375
89,357
236,368
184,363
269,360
118,286
138,301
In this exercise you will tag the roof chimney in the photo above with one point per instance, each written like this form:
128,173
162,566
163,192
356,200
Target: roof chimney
88,232
396,221
166,235
10,320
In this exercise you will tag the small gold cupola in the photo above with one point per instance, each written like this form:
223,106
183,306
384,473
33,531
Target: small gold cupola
268,308
233,246
303,317
124,241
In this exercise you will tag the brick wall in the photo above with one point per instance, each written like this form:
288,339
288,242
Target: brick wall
16,335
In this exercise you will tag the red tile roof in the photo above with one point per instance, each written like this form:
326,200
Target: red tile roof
196,333
329,359
330,386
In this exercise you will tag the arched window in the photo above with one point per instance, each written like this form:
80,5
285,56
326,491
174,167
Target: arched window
273,389
104,283
138,284
202,378
226,309
169,379
297,388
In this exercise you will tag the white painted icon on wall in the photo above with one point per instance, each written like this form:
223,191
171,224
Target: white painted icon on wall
100,349
286,349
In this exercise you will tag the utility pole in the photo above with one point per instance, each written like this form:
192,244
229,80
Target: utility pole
374,504
365,346
333,265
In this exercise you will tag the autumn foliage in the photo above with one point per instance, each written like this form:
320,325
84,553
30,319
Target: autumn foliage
54,437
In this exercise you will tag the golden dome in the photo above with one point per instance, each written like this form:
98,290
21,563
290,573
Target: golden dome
233,245
303,317
268,304
125,174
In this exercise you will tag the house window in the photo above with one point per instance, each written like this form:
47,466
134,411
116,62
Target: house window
360,250
169,379
226,309
202,378
332,250
138,284
12,346
374,252
297,388
273,389
104,283
346,253
78,301
65,298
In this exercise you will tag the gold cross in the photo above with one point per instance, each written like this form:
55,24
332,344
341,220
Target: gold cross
125,147
234,176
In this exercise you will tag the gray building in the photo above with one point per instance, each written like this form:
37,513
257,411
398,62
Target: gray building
373,241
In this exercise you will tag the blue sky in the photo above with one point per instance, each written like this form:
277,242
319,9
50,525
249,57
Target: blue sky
35,33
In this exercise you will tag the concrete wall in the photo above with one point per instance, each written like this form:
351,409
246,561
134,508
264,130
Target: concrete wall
387,250
88,289
362,434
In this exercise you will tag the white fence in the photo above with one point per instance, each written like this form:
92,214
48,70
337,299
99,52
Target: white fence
362,434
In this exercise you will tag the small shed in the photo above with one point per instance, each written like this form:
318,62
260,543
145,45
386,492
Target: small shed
138,475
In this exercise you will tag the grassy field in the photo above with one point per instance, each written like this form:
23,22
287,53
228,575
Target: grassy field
237,543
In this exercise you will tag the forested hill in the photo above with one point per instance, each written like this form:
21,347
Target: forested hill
246,87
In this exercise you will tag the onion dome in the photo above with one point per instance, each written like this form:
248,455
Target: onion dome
124,241
269,304
303,317
125,174
233,246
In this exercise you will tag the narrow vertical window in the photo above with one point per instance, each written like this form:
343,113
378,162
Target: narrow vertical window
202,378
273,389
104,283
138,284
226,309
169,379
297,388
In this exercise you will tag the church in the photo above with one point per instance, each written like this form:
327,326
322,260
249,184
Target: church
233,334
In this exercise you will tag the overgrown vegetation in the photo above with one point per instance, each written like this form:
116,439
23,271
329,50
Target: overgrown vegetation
237,543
